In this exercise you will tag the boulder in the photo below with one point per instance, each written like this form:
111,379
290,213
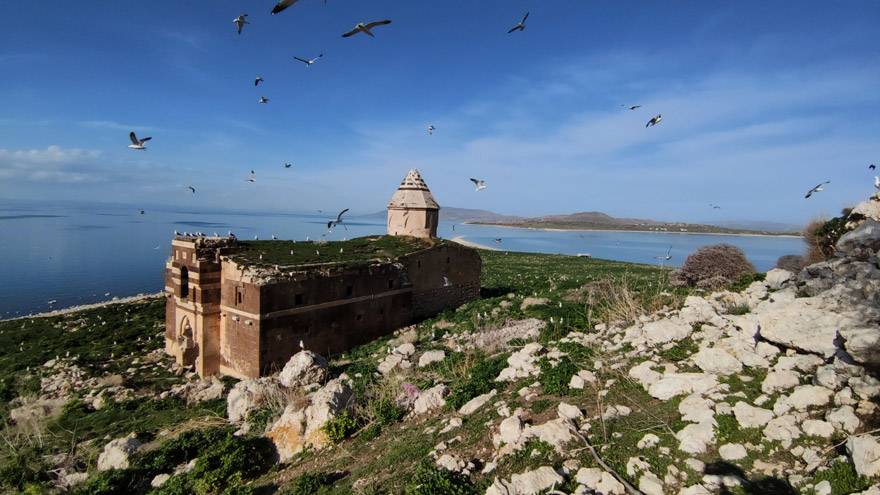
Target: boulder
249,395
818,428
304,368
862,343
430,399
600,481
843,418
777,277
673,384
666,330
864,450
732,452
749,416
301,424
807,396
117,452
784,429
430,357
527,483
861,242
716,360
476,403
695,438
806,323
779,380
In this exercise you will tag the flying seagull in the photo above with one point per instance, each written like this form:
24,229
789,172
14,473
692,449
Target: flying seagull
137,144
521,26
252,177
334,223
632,107
281,5
714,207
258,80
309,61
480,184
142,212
817,188
191,188
240,21
431,129
872,167
654,120
365,28
497,240
667,257
287,164
264,100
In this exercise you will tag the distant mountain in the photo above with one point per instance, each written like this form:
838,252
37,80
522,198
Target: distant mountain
450,214
760,225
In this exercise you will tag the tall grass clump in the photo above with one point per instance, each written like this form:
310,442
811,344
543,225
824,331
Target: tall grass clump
711,267
821,235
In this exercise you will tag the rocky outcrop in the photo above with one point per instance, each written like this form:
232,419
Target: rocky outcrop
117,452
527,483
304,368
249,395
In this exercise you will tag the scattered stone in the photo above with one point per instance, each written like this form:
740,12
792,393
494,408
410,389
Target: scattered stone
117,452
430,357
807,396
750,416
249,395
600,481
476,403
673,384
527,483
823,488
430,399
864,450
159,480
844,418
818,428
568,411
695,438
304,368
779,380
732,452
716,360
784,429
648,441
650,484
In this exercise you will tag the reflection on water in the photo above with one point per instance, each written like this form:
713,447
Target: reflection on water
76,255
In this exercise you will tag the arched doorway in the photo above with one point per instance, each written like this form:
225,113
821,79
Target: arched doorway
187,343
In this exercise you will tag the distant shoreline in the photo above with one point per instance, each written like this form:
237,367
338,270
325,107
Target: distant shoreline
550,229
460,240
82,307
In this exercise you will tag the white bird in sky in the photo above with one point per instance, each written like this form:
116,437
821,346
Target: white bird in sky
252,177
240,21
281,5
654,120
137,144
816,189
264,100
521,25
309,61
366,28
431,129
334,223
480,184
258,80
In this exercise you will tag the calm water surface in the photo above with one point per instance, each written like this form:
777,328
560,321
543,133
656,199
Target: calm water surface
84,254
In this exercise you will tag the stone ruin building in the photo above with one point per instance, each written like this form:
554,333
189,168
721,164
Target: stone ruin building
243,308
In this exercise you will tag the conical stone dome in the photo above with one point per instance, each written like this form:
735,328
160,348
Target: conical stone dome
413,211
413,193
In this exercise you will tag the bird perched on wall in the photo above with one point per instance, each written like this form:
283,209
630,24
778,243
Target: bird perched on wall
654,120
479,184
258,80
431,129
137,144
816,189
264,100
240,21
334,223
281,5
366,28
191,188
309,61
521,25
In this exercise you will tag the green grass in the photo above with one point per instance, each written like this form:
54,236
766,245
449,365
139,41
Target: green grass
361,249
680,351
843,478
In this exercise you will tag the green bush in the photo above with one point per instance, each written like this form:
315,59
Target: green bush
340,427
554,379
385,412
309,484
480,380
432,480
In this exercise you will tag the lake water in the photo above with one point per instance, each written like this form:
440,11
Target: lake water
78,254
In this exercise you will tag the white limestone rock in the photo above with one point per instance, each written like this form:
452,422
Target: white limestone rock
732,452
304,368
716,360
430,399
777,277
600,481
522,363
673,384
430,357
650,484
864,450
568,411
476,403
695,438
392,362
862,343
648,441
779,380
804,323
405,350
843,418
817,428
807,396
666,330
749,416
784,428
117,452
696,409
527,483
643,374
159,480
249,395
822,488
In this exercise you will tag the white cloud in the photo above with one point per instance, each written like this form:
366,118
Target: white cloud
53,164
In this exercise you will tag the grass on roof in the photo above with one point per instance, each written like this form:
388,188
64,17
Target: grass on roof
361,249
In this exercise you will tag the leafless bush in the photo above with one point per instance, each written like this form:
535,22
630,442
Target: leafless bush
716,265
622,299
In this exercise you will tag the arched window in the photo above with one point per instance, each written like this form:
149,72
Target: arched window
184,282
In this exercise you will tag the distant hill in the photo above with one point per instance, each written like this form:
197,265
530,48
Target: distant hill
450,214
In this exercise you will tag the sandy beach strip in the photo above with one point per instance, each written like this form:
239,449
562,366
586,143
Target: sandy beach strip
460,240
82,307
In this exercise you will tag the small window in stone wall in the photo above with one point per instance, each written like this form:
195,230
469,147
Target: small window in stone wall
298,299
391,283
381,311
184,282
349,291
238,295
447,260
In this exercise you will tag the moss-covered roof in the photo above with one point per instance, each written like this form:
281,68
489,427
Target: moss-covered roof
354,251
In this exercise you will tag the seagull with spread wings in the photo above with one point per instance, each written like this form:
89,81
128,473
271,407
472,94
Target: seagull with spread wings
191,188
334,223
287,164
137,144
258,80
632,107
872,167
309,61
816,189
264,100
252,177
480,184
521,25
281,5
431,129
366,28
240,21
654,120
714,207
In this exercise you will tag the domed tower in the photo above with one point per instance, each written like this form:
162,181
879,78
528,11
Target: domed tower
413,210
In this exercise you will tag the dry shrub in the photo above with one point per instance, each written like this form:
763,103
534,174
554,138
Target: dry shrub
821,235
790,262
621,299
713,266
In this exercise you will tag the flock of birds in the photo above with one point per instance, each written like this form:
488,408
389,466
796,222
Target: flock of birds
367,28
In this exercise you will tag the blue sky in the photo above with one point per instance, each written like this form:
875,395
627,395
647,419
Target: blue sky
760,101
